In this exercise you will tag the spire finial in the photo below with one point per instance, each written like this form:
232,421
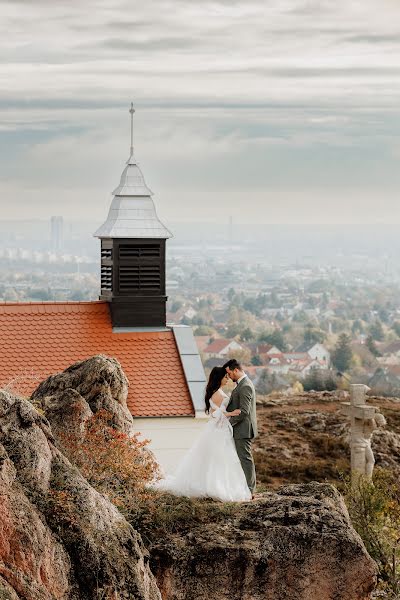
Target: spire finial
131,110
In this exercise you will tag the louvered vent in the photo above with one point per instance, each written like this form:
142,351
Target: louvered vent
147,251
139,277
106,253
106,277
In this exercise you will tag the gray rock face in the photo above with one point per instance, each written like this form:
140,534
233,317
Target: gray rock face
59,538
295,544
86,387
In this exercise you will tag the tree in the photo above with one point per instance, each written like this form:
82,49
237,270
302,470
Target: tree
275,338
274,300
384,315
376,331
256,360
233,330
176,305
231,294
242,356
314,335
357,327
396,328
203,330
268,382
342,353
318,381
247,335
372,346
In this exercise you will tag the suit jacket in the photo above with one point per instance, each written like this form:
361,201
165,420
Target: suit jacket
244,397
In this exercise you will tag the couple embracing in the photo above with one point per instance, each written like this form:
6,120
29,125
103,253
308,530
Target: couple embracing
220,464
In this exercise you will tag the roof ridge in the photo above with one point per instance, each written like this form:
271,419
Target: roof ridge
13,303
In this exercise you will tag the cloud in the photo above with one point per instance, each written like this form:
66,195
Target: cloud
232,98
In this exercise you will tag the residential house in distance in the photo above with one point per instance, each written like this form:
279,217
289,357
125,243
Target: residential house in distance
307,357
301,368
277,363
263,350
221,348
317,352
128,322
390,353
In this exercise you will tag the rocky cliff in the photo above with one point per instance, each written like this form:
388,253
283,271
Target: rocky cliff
296,543
60,539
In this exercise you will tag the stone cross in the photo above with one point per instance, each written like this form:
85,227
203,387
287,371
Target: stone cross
364,420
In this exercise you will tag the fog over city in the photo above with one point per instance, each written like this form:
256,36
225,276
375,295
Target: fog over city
278,112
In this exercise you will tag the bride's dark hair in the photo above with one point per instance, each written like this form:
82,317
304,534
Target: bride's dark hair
214,383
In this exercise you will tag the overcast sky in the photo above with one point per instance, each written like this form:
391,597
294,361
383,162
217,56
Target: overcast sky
274,111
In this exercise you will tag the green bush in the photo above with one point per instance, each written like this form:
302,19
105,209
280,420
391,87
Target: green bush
374,509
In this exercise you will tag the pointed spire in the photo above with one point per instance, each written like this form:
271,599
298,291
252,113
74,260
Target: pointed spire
132,212
131,110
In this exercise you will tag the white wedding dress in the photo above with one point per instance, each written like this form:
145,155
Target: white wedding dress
211,467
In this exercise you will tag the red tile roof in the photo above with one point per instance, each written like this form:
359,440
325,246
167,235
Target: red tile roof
202,341
217,346
42,338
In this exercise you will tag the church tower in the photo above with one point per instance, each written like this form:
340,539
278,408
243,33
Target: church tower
133,242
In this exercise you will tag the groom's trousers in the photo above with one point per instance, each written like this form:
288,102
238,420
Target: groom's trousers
243,449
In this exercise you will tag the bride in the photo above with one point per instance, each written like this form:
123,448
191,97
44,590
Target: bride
211,467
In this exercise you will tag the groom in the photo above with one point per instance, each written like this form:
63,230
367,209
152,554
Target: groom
244,425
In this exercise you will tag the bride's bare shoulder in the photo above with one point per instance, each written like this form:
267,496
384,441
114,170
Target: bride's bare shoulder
217,398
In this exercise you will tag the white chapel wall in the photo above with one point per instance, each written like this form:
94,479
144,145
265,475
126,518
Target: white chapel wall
170,437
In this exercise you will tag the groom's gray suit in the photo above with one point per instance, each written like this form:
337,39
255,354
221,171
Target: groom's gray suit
245,426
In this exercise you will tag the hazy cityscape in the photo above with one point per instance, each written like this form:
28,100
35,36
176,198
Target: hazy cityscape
288,287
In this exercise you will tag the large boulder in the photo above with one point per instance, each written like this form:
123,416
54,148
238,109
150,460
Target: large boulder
69,398
59,538
295,544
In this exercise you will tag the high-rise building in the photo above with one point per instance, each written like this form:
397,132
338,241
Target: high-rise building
57,231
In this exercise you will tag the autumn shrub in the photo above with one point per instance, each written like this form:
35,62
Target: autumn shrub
114,463
374,509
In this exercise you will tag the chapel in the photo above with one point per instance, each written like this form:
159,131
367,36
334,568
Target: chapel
128,322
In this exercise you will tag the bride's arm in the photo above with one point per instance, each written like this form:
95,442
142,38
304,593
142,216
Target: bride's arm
233,413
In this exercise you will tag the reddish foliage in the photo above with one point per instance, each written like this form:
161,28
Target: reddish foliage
114,463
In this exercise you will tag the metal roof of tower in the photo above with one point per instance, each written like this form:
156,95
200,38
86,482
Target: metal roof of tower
132,212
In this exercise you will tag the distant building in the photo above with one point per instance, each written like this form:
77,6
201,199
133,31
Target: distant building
316,351
304,368
57,233
221,348
263,350
277,363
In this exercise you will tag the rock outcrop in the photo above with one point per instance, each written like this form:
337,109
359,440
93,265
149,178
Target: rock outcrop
294,544
84,388
62,540
59,538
